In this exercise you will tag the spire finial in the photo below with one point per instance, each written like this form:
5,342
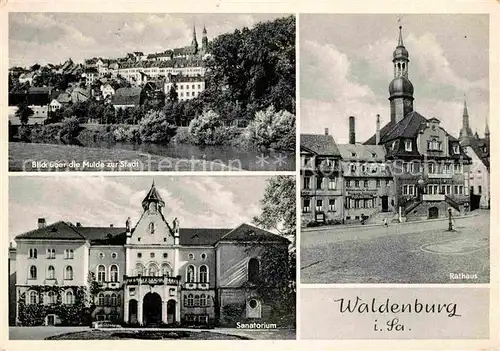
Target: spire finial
400,39
152,185
466,112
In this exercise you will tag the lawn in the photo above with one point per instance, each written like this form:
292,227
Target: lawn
144,335
50,157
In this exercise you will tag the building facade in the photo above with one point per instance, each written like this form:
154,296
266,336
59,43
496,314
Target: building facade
152,273
322,188
429,166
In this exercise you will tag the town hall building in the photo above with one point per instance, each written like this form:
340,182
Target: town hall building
153,272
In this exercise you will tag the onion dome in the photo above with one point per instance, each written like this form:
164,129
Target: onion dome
400,86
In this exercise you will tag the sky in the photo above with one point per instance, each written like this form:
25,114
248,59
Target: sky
54,37
197,201
346,67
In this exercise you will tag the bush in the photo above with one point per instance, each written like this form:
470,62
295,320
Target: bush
24,133
209,129
155,127
70,128
122,133
271,129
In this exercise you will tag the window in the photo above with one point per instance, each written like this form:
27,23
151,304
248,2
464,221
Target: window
68,273
377,183
332,183
479,189
190,274
114,255
139,269
319,205
165,270
447,168
101,255
69,297
408,145
139,255
165,255
203,300
33,253
51,272
152,270
100,299
52,297
196,300
33,297
456,149
353,168
114,300
33,272
374,155
113,273
348,183
101,273
203,274
319,183
253,270
356,183
432,167
203,256
51,253
151,228
106,300
190,301
306,206
152,255
365,184
456,189
331,205
393,145
434,145
407,167
353,154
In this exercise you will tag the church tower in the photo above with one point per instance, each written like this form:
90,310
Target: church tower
487,131
400,88
194,42
204,40
466,134
153,201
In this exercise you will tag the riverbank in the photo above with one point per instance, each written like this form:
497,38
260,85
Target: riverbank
51,157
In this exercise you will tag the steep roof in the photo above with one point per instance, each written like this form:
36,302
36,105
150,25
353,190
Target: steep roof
201,236
57,231
247,232
408,127
319,144
153,196
127,96
362,152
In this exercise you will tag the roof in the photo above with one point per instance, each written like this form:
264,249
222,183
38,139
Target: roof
247,232
117,235
153,196
127,96
408,127
59,231
360,152
319,144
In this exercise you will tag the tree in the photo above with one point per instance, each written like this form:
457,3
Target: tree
209,129
70,128
156,127
271,129
278,279
24,112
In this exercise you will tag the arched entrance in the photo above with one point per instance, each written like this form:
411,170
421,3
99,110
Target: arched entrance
151,309
170,311
433,212
132,311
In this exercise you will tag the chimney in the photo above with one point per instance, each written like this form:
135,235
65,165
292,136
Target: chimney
326,131
377,132
41,223
78,224
111,225
352,130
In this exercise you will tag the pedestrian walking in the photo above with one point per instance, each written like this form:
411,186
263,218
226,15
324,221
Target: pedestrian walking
385,222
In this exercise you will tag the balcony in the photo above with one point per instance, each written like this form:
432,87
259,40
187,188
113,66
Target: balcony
196,286
151,280
440,175
433,197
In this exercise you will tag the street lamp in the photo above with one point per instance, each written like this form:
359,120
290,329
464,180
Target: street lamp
450,223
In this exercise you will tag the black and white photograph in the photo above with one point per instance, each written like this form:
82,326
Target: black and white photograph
151,92
394,148
160,258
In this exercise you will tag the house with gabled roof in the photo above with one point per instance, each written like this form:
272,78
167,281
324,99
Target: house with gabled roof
154,272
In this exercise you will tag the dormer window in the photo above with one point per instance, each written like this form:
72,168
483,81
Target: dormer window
408,145
456,149
353,154
374,155
393,145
